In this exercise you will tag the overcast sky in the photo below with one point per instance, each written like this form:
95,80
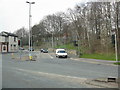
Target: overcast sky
14,13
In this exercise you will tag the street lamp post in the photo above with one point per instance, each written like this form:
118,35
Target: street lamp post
116,44
30,40
116,48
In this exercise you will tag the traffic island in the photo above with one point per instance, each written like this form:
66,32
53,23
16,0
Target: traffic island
25,58
32,58
109,82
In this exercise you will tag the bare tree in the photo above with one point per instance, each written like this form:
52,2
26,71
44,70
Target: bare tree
22,34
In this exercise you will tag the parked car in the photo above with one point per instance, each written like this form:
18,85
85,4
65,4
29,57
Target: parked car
21,48
41,50
61,53
31,49
45,51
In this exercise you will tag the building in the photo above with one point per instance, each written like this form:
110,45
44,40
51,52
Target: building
8,42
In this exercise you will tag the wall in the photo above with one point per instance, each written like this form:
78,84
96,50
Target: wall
13,45
2,39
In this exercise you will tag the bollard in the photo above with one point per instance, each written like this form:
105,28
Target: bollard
30,56
12,54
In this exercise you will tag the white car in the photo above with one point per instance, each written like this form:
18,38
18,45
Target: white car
61,53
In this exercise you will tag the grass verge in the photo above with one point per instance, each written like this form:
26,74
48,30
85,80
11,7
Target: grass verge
117,63
110,57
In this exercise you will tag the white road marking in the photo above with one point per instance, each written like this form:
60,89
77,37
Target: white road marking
50,56
64,78
54,75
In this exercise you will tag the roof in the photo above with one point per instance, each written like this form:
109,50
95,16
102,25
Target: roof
6,34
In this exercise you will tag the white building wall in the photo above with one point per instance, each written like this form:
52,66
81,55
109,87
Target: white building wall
2,39
10,44
0,48
13,45
16,44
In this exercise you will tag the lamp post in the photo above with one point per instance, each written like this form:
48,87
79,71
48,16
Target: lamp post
116,48
116,44
30,40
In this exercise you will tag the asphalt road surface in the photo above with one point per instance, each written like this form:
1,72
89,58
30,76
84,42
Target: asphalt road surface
0,71
51,72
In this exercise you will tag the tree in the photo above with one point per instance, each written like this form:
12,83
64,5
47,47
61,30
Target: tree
22,34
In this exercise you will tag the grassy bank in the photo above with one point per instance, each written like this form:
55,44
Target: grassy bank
99,56
67,46
110,57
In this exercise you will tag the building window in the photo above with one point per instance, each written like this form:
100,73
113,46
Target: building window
4,48
14,39
11,46
14,47
6,39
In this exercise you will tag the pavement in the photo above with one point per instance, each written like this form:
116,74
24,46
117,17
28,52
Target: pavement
102,84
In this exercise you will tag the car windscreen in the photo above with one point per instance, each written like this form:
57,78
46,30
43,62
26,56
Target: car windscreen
61,52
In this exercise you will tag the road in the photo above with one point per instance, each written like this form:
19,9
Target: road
51,72
0,71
